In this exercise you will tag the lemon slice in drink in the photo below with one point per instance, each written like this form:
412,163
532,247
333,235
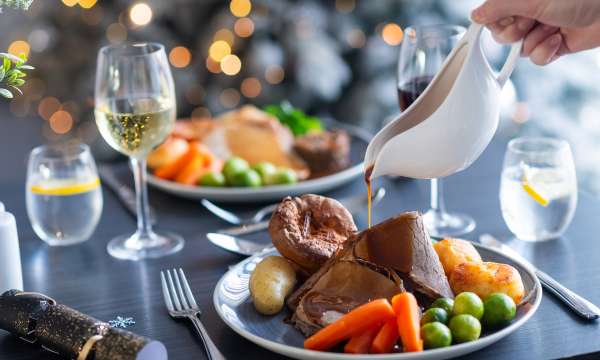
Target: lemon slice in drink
545,184
64,187
534,194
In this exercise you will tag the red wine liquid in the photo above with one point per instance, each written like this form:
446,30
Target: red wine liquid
409,91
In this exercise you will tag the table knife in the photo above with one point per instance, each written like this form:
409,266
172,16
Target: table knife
124,193
578,304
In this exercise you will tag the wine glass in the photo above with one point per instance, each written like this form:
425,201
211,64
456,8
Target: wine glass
135,111
63,195
422,54
538,188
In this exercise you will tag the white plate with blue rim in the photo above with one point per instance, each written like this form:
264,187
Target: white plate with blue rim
359,140
233,304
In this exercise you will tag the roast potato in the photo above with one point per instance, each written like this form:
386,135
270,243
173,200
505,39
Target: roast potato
455,251
271,282
486,278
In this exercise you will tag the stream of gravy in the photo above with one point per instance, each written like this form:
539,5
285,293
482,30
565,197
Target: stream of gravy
368,173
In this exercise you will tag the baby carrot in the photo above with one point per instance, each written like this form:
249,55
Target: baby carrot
361,343
170,170
409,319
192,171
356,321
386,338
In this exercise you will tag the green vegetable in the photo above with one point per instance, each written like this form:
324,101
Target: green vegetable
434,315
265,170
468,303
444,303
283,176
294,118
233,166
464,328
246,178
436,335
12,74
500,309
212,179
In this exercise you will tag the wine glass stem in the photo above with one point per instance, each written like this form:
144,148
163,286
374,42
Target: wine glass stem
437,196
141,194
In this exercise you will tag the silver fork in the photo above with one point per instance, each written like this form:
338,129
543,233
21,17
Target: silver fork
181,304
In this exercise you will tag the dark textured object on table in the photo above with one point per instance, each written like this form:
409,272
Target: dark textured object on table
325,152
38,319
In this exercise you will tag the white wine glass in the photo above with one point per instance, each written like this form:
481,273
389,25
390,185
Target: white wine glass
422,54
135,111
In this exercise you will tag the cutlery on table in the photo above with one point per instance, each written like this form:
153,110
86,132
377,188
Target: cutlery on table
124,193
234,219
180,303
237,245
578,304
354,204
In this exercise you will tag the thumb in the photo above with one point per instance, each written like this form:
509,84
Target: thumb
494,10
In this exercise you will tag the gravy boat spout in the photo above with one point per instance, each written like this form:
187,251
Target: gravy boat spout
451,123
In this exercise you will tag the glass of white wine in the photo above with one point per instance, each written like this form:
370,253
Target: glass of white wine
135,111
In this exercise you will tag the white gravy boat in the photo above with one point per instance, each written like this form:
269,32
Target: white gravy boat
451,123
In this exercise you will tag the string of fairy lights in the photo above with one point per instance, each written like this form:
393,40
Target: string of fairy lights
219,58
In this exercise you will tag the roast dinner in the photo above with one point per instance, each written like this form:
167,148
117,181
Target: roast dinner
386,289
251,147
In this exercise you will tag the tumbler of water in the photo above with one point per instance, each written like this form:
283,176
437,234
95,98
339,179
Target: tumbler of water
64,199
538,188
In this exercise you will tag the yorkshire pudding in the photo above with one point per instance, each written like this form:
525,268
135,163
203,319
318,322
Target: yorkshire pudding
310,229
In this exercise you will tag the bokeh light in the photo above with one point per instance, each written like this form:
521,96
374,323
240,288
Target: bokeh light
251,87
70,3
140,14
87,4
39,40
225,35
231,64
229,98
200,112
180,57
392,34
195,95
356,38
240,8
274,74
345,6
116,33
61,122
243,27
19,47
48,106
213,66
218,50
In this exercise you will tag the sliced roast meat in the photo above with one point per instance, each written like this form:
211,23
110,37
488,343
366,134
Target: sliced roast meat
345,285
401,243
325,152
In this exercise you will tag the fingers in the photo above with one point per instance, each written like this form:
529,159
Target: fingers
547,50
494,10
540,33
511,29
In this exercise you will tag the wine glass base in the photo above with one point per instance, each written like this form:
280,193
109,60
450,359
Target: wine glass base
442,224
152,245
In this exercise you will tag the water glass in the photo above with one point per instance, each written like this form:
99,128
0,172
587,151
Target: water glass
538,188
64,199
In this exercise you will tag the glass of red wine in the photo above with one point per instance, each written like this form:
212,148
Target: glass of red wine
422,54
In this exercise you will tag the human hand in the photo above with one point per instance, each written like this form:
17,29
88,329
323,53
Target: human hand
549,28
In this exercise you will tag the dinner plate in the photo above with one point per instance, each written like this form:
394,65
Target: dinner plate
232,302
358,145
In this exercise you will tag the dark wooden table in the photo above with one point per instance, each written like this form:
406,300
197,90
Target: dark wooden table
88,279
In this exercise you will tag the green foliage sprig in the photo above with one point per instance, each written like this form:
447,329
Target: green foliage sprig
16,4
12,74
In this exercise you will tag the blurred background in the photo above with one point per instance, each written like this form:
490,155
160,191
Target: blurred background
334,58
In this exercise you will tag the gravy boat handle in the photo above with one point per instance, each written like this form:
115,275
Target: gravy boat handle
474,34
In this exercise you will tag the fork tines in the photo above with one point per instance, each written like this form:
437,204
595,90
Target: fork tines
176,291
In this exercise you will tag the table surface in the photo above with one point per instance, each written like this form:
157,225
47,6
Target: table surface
86,278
